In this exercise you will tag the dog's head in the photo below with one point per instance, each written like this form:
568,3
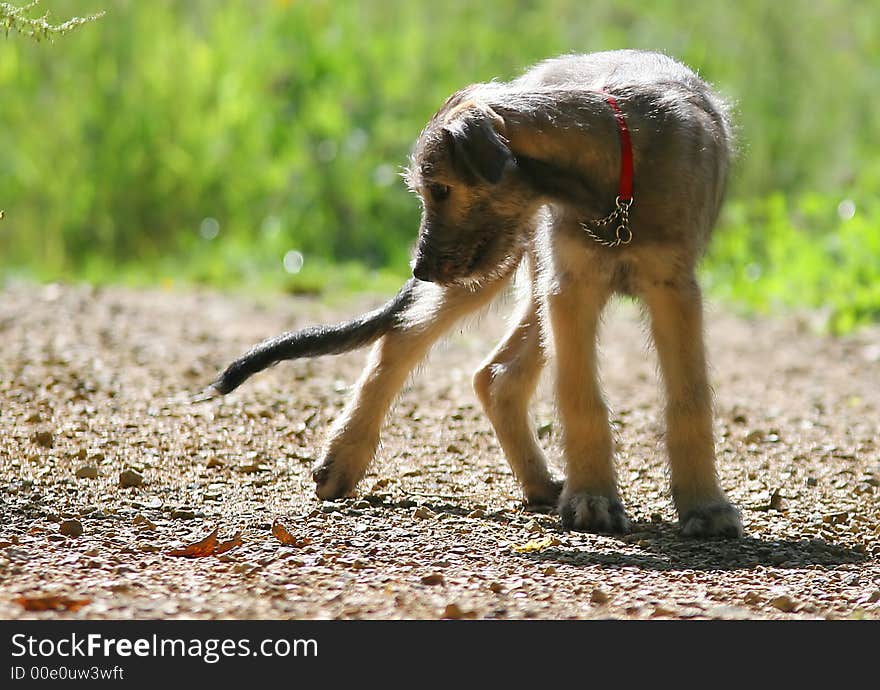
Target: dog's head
463,171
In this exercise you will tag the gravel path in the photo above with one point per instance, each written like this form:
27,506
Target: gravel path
92,383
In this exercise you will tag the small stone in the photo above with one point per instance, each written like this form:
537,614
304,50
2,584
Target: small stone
452,448
87,472
784,603
44,438
433,579
71,528
456,612
183,514
838,518
599,597
496,587
755,437
423,513
776,502
549,570
143,522
478,513
214,462
662,611
534,527
128,478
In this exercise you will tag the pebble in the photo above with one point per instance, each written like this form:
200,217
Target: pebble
71,528
478,513
128,478
183,514
534,527
455,611
662,611
44,438
143,522
433,579
496,587
423,513
776,502
784,603
599,597
755,437
87,472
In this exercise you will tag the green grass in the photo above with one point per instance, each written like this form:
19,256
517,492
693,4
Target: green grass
287,122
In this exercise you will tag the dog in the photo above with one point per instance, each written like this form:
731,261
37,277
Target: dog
600,174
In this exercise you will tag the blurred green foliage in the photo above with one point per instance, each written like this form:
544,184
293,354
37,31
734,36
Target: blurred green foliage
204,139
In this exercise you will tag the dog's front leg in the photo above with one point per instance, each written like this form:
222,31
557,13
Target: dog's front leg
354,436
589,500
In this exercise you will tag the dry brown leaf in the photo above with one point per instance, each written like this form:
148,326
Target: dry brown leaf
205,547
280,532
225,546
52,603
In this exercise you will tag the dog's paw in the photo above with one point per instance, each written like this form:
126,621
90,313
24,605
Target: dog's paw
545,495
584,512
332,481
718,520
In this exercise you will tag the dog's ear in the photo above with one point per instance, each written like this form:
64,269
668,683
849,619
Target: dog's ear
478,149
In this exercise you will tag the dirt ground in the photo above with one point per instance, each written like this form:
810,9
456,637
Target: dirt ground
93,383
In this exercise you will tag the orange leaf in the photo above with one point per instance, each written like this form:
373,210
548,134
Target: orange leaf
56,603
205,547
225,546
280,532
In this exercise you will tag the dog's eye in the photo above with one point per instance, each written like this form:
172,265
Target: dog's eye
439,192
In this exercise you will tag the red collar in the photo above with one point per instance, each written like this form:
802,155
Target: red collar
625,188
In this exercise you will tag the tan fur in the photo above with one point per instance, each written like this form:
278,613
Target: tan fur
512,170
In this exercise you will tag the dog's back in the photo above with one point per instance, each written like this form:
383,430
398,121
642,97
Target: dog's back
682,132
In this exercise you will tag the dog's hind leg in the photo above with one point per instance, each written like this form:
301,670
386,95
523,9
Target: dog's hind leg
504,383
676,311
354,436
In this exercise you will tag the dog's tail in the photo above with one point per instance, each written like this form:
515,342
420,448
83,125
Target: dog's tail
311,342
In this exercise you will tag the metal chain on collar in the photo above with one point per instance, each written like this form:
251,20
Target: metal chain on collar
620,216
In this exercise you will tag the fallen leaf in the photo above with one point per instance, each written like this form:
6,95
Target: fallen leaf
225,546
280,532
205,547
536,545
52,603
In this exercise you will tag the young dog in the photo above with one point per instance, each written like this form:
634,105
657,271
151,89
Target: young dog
603,174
